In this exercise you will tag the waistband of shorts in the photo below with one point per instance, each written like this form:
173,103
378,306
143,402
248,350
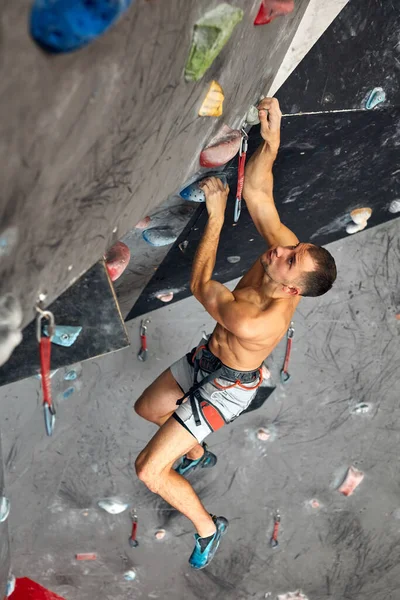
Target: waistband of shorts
210,363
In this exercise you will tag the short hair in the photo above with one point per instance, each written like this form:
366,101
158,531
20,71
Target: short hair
318,282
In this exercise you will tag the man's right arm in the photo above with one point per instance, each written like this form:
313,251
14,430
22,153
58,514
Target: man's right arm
259,181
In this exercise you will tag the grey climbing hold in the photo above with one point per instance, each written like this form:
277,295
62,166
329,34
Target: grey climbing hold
10,323
4,508
375,97
361,408
64,335
159,236
113,506
394,206
233,259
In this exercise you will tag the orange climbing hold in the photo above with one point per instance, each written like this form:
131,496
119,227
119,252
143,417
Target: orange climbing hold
212,103
270,9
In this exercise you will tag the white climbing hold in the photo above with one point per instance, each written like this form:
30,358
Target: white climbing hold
10,323
298,595
361,408
233,259
394,206
113,506
165,296
354,227
263,434
375,97
160,534
4,508
130,575
143,223
11,583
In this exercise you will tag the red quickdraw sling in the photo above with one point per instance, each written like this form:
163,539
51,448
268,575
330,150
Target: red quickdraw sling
285,375
45,360
240,181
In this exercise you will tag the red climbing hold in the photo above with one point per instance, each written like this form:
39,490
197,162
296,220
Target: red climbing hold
117,259
222,148
26,589
270,9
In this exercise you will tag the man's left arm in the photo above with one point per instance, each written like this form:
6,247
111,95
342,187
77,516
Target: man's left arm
218,301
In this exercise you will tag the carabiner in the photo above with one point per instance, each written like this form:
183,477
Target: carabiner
143,326
244,142
49,418
237,210
290,332
285,376
44,314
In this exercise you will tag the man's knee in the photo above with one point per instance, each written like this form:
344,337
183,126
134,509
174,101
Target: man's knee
146,473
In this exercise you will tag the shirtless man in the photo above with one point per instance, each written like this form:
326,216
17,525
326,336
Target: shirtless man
251,321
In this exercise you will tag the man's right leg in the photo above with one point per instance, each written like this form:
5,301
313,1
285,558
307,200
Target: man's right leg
158,402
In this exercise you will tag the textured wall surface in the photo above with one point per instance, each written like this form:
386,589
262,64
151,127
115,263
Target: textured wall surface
93,141
346,350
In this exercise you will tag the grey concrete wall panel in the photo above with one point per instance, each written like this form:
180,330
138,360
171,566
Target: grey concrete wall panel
327,166
358,52
92,141
346,350
91,304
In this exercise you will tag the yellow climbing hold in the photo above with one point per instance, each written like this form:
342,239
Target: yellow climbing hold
212,103
359,215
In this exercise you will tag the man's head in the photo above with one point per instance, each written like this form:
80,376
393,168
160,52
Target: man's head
304,270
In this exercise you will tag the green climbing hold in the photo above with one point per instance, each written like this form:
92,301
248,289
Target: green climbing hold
210,35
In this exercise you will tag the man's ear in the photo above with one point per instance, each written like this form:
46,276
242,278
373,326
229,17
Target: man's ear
291,291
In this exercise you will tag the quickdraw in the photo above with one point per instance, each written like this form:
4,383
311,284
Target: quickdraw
142,354
274,538
240,182
132,539
45,355
285,375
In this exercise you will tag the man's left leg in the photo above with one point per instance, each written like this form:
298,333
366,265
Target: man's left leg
154,468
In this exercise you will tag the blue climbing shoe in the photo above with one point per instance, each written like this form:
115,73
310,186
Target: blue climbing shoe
205,548
206,461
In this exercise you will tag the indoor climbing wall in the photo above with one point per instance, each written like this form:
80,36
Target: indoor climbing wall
342,157
107,131
5,560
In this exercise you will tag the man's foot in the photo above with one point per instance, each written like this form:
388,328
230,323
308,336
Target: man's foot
205,548
206,461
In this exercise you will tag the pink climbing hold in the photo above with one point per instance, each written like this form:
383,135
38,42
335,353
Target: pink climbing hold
165,296
353,479
222,148
117,259
143,223
270,9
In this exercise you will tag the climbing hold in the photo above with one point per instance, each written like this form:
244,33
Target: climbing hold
130,575
375,97
4,508
70,375
86,556
263,434
117,259
270,9
353,478
8,240
394,206
64,335
212,103
233,259
252,116
113,506
160,534
359,215
143,223
354,227
361,408
159,236
183,245
314,503
297,595
195,194
68,392
66,25
210,34
165,296
11,582
10,323
222,148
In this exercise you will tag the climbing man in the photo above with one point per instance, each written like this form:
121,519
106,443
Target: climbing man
217,381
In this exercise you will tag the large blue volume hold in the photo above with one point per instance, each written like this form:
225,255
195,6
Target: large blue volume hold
66,25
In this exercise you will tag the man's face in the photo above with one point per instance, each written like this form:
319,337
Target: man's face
287,264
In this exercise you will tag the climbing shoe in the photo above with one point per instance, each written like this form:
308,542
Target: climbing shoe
206,461
205,548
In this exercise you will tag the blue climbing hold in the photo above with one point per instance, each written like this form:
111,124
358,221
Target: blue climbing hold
377,96
194,193
70,375
68,392
64,335
67,25
159,236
